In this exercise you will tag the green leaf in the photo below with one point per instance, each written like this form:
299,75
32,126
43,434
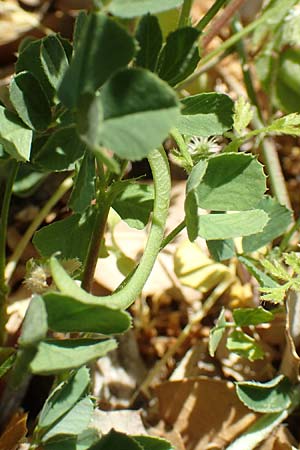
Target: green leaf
29,60
279,220
263,279
30,102
70,236
28,180
54,59
216,333
101,40
292,259
191,201
138,112
80,21
7,360
84,186
89,116
232,182
67,314
60,151
74,422
243,115
82,442
117,441
14,135
180,55
226,226
221,250
289,124
62,443
55,356
206,114
150,41
289,64
21,365
134,8
259,431
244,345
35,325
135,204
86,439
244,317
153,443
268,397
64,397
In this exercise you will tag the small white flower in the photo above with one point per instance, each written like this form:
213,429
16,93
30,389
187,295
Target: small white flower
203,145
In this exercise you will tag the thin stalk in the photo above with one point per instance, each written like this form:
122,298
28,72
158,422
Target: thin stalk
221,21
124,297
185,14
210,14
183,148
39,218
269,152
225,46
103,205
172,234
13,169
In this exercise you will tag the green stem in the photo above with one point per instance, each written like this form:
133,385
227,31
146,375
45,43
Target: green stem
241,49
225,46
183,148
13,169
103,205
185,14
39,218
123,298
172,234
269,152
210,14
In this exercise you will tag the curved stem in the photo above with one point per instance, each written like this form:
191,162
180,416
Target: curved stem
123,298
14,259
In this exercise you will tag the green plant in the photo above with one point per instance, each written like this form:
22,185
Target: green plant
99,102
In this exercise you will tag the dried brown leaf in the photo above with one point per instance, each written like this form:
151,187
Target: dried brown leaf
206,412
15,431
124,421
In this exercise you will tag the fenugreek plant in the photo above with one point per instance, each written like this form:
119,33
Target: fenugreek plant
89,107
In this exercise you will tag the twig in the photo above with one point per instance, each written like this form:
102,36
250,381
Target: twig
223,47
221,21
39,218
